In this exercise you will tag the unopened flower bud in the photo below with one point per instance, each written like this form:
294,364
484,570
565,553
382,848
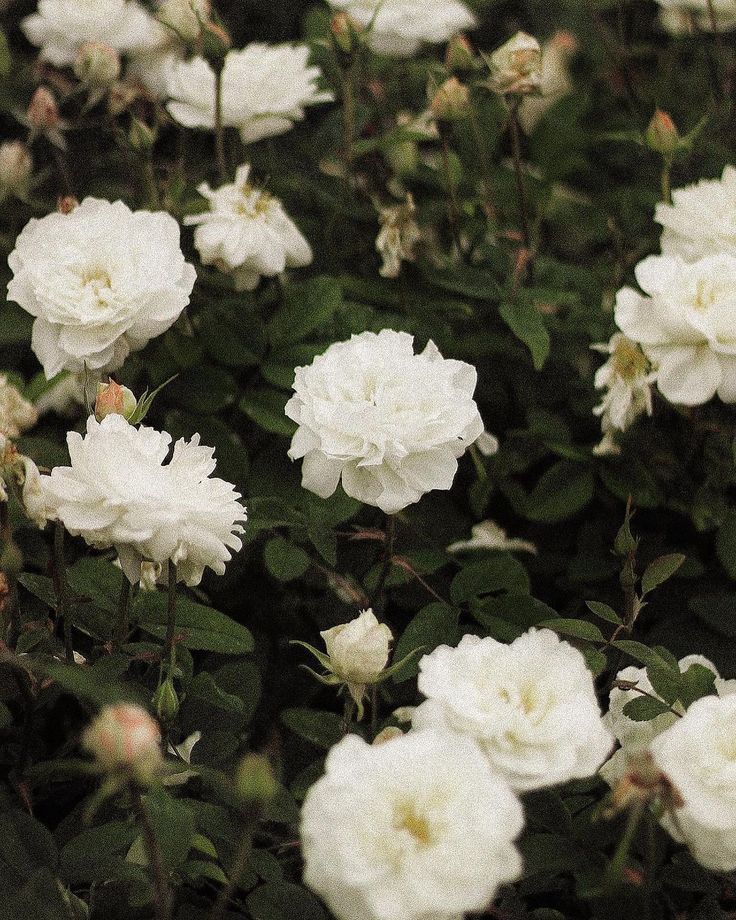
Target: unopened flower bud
345,33
97,64
516,67
459,55
166,702
214,43
451,101
662,135
643,782
11,559
16,166
66,204
185,17
120,97
126,738
141,137
254,780
358,650
113,399
43,112
390,733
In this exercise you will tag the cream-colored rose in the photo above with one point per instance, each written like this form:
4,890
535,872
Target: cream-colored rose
359,649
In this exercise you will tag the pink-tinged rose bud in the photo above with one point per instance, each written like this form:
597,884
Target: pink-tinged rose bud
97,64
125,737
113,399
345,33
662,135
16,166
43,112
451,101
565,41
459,55
214,43
66,204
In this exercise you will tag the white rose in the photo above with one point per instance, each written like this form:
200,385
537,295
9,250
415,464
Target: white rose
680,17
101,281
265,90
400,27
387,422
247,233
686,326
358,650
60,27
516,67
519,703
16,413
125,737
417,828
34,495
555,80
119,492
701,221
698,755
488,535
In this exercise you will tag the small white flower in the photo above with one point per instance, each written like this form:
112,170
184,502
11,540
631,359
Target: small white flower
247,233
698,755
516,67
358,651
555,80
398,28
682,17
389,423
16,413
101,281
60,27
119,492
265,90
398,236
34,495
417,828
519,702
627,379
686,325
489,536
701,221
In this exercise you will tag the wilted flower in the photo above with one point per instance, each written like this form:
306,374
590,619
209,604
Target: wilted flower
120,492
265,90
399,27
516,67
398,236
682,17
519,703
701,221
16,413
60,27
489,536
555,80
101,281
126,739
627,378
16,166
414,828
389,423
246,233
698,755
686,325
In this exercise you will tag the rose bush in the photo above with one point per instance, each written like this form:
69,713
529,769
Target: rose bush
367,459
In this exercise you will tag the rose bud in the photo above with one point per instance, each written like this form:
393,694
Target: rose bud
125,738
97,64
16,166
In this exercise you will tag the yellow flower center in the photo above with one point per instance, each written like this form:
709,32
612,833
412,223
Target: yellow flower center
408,819
629,362
253,203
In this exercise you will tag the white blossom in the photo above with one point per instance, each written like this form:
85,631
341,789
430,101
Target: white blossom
516,67
398,236
120,492
389,423
681,17
16,413
34,495
686,325
488,535
398,28
698,755
101,281
416,828
265,90
627,380
518,702
60,27
701,221
358,651
555,80
247,233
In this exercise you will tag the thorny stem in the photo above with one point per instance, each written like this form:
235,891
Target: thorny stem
347,716
240,864
219,127
161,889
62,589
453,207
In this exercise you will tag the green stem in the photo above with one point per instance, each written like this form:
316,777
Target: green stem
123,624
12,631
170,650
349,118
453,207
388,555
666,184
519,173
347,716
620,857
148,180
374,710
219,127
485,167
62,588
240,864
161,889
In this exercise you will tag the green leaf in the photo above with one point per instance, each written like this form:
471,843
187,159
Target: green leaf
173,824
265,407
95,853
645,708
284,560
434,625
306,307
5,58
25,846
576,629
200,627
322,729
561,492
203,388
604,612
499,573
660,570
726,544
283,901
695,683
525,321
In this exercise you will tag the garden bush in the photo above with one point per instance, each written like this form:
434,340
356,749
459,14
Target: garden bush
367,459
